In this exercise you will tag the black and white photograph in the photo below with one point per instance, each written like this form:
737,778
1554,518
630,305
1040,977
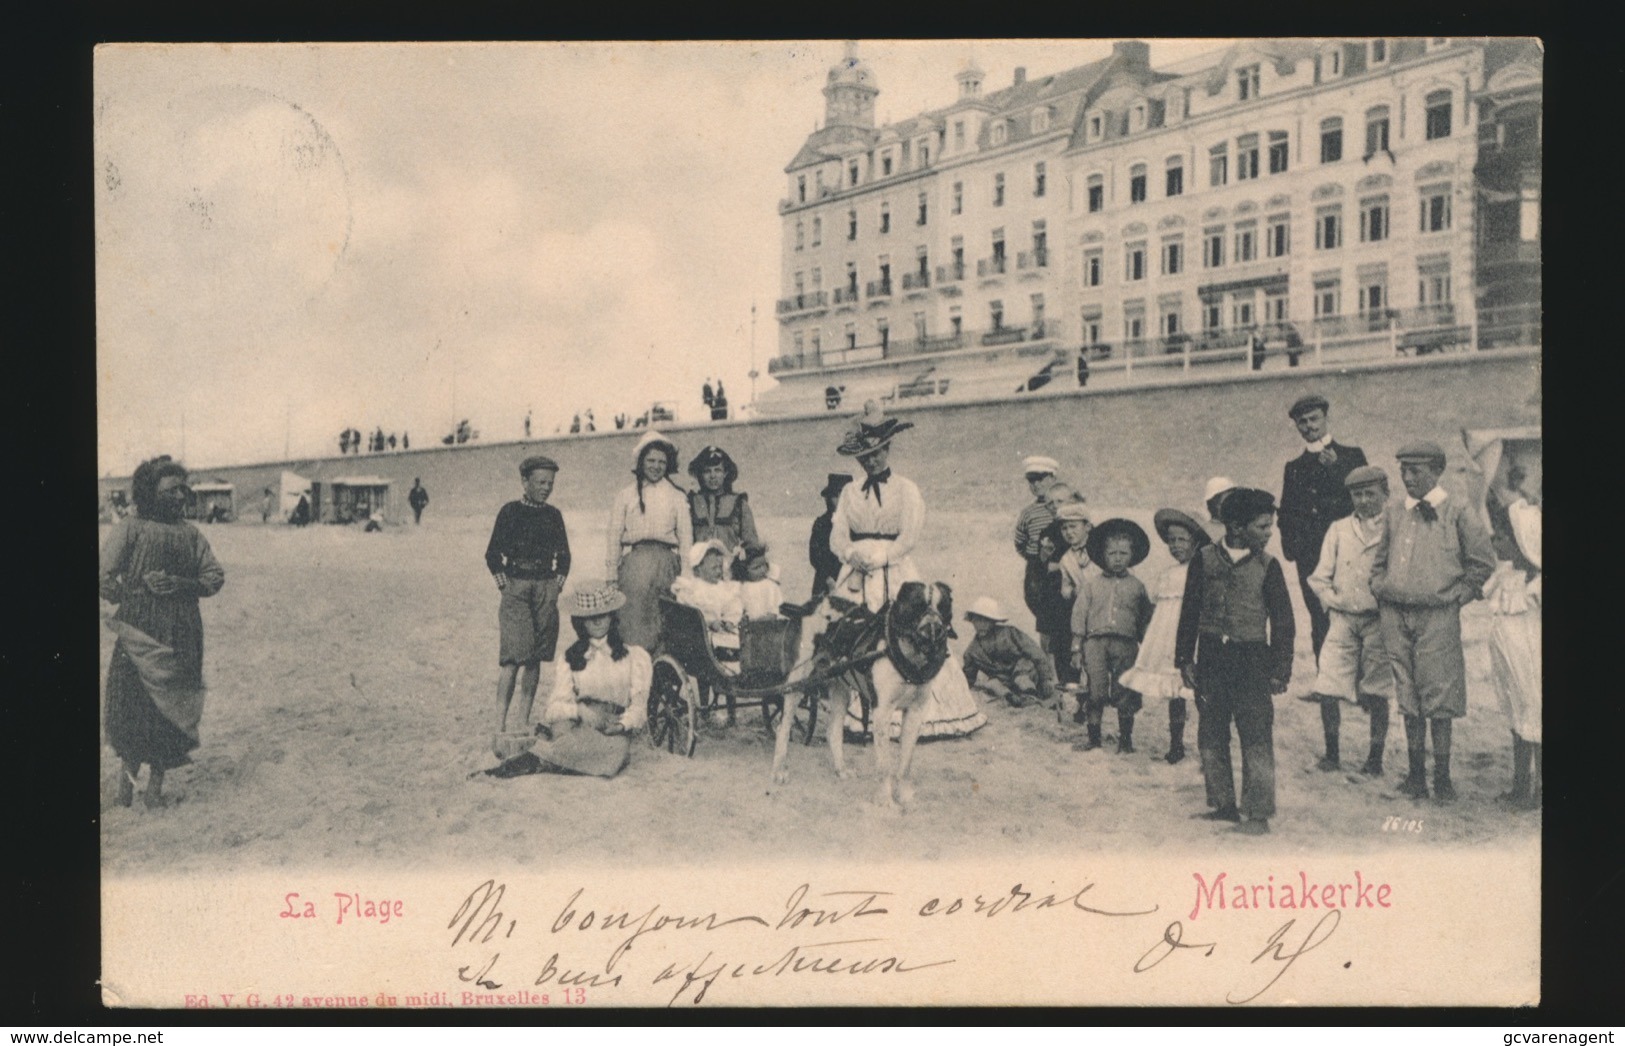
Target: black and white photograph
999,522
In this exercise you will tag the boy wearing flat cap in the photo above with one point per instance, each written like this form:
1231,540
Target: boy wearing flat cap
1313,495
529,557
1039,472
1432,560
1353,664
1234,649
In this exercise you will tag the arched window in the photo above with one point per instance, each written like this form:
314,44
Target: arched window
1376,130
1438,114
1175,184
1136,183
1000,131
1331,139
1040,121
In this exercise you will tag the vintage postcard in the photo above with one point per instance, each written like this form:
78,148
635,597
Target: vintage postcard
893,523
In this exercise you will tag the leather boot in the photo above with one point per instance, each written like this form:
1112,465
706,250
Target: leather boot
1092,742
1443,790
1331,719
1521,758
1125,733
1415,785
1176,730
1378,707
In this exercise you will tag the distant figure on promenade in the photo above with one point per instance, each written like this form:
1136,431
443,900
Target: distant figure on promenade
716,511
1314,494
575,423
156,566
529,558
649,536
707,395
527,424
406,441
266,503
418,498
344,442
391,441
719,405
1083,367
1257,351
592,423
301,512
620,422
378,440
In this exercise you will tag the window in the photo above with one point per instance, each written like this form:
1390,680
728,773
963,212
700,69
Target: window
1376,130
1040,244
1331,140
1134,261
1039,177
1040,121
998,190
922,262
800,284
957,249
1241,311
883,333
1000,132
959,135
817,344
1091,326
1435,208
801,190
1246,157
817,280
1329,228
853,172
1247,82
995,314
1433,284
1275,307
801,235
818,231
1170,321
799,346
1328,297
1529,215
1213,248
1212,317
1336,64
884,265
885,217
818,179
1095,127
1097,193
1278,237
1133,322
1136,183
1246,243
919,326
1173,256
851,335
851,281
1438,115
1218,165
956,322
851,225
1373,219
1278,152
924,152
998,250
1037,301
1174,184
1091,268
1373,296
885,164
1137,117
921,219
1379,52
959,198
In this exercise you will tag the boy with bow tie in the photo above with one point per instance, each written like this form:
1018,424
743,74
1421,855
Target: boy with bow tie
1313,496
1433,558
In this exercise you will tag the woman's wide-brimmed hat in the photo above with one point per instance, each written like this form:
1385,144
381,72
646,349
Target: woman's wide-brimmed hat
714,455
1172,517
596,601
1116,528
655,439
870,431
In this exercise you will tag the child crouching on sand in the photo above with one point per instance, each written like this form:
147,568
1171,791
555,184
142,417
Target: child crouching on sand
1005,661
1154,674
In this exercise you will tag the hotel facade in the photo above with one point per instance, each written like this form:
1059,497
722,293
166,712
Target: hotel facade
1278,201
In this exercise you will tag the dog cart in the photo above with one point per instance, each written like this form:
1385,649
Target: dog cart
691,681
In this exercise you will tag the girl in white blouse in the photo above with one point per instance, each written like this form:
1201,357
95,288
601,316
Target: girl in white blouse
649,537
604,689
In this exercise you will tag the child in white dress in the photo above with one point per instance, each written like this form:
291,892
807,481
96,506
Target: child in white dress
718,599
1514,596
1154,674
758,583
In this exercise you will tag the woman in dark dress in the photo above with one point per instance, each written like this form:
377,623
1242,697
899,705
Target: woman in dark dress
156,567
718,512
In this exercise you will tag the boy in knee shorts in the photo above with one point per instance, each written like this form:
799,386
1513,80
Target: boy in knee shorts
529,557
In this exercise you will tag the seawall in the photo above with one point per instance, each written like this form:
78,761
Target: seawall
1147,446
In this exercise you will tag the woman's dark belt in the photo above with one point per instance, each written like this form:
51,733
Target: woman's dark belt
529,569
867,536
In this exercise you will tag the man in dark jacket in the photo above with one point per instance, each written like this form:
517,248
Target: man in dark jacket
826,565
417,497
1313,496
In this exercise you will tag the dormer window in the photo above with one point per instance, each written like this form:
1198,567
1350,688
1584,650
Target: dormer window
1040,122
1247,82
885,164
1096,126
922,150
1334,63
959,135
1378,52
1000,132
1137,117
801,189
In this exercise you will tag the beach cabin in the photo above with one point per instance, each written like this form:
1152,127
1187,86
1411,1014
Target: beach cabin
354,499
211,501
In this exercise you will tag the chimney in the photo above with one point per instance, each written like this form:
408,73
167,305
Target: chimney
1021,75
1136,54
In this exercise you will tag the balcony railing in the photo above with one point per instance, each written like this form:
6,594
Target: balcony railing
1517,251
879,288
916,281
844,295
1037,258
799,302
993,266
951,273
1004,336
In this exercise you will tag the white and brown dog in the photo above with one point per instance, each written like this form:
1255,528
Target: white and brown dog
912,648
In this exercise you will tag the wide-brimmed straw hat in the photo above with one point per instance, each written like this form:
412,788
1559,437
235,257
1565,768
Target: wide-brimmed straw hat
1172,517
714,455
870,431
596,601
655,439
987,607
1116,528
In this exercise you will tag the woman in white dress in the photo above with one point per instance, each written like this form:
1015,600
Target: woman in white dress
876,525
649,538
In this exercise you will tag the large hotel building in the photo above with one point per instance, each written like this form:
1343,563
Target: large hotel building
1274,203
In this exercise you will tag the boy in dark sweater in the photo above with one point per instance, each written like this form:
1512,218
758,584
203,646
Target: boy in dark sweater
1234,650
529,556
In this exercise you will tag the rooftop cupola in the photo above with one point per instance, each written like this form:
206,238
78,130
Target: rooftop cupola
849,93
970,81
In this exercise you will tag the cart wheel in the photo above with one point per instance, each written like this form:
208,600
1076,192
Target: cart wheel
673,719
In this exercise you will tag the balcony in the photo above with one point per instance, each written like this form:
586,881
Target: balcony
950,273
802,302
846,295
1513,252
1004,336
1037,258
993,266
879,288
916,281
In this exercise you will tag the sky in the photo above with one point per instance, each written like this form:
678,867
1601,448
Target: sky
295,239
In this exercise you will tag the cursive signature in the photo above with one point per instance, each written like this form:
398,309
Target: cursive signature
1279,951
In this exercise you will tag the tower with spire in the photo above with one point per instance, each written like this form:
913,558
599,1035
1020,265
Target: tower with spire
849,93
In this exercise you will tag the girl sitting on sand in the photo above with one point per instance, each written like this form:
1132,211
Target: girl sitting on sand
1154,674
